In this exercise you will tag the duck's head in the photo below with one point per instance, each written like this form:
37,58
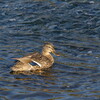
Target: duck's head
49,48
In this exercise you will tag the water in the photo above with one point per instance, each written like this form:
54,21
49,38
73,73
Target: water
73,26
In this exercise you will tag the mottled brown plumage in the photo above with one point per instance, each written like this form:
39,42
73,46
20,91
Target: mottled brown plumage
42,60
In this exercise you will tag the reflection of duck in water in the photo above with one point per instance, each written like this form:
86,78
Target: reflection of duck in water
43,60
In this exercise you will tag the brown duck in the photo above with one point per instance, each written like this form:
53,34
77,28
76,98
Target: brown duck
43,60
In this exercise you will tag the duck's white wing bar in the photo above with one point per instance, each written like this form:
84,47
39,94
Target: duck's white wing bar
37,63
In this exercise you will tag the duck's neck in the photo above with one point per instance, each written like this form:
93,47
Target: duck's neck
48,55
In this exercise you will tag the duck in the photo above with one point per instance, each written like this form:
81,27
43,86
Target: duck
42,60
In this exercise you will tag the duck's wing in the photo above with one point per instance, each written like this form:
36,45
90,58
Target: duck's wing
36,57
40,60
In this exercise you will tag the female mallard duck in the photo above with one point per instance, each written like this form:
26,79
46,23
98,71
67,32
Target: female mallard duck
43,60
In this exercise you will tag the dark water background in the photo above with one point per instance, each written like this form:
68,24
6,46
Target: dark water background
73,26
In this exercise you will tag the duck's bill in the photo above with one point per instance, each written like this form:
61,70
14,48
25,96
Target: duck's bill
56,54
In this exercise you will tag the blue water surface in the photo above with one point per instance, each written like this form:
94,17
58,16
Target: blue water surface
73,26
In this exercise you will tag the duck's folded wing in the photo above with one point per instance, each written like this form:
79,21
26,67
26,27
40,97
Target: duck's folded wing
40,60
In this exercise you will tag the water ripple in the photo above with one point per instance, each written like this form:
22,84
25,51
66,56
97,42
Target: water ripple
73,26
